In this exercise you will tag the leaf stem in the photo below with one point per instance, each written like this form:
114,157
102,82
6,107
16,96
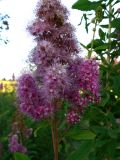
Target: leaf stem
109,33
92,43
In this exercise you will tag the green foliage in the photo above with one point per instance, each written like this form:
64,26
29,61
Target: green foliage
102,34
81,134
85,5
116,23
37,145
82,151
100,138
20,156
7,109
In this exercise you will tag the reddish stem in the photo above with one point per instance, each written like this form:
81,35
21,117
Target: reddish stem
55,138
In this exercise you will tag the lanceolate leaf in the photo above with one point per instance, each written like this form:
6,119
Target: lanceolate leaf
81,135
104,26
102,47
86,22
85,5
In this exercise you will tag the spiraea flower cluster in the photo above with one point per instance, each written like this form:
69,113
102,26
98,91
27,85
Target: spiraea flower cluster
60,74
15,145
84,76
31,101
55,82
18,133
73,116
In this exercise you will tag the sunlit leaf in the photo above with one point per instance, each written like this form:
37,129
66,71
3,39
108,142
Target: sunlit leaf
85,5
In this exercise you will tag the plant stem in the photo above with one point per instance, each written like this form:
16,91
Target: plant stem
55,137
108,56
109,33
94,31
109,43
14,156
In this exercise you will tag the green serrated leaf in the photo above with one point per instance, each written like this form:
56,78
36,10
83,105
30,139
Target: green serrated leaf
21,156
85,5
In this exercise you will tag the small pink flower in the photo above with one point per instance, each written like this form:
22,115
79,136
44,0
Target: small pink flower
118,120
15,146
73,117
118,10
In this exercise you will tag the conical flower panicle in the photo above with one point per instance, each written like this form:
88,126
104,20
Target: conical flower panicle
60,73
53,33
52,11
84,75
30,98
29,93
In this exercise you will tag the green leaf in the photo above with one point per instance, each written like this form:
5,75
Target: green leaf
85,5
116,23
83,151
102,47
84,46
104,61
86,22
101,34
110,1
100,130
42,125
100,143
66,104
4,114
112,133
21,156
105,26
116,84
81,135
105,99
